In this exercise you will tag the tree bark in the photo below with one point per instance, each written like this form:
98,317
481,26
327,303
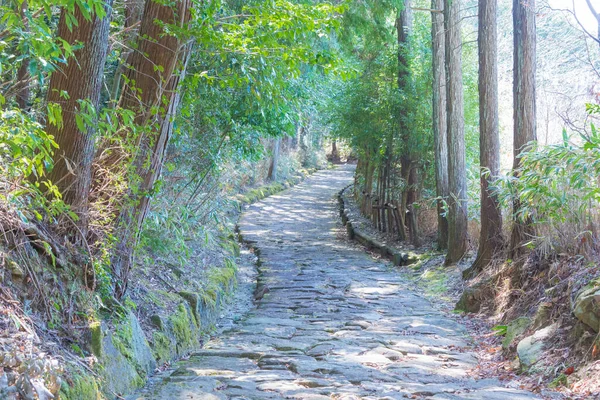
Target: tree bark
155,68
439,119
410,156
24,92
490,239
457,179
413,196
335,155
272,174
404,27
81,79
524,107
133,14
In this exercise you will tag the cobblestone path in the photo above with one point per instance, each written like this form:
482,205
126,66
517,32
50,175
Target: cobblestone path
333,324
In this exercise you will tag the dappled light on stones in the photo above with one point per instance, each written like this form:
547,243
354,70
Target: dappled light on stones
335,323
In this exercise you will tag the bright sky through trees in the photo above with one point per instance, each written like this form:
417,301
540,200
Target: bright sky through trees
582,10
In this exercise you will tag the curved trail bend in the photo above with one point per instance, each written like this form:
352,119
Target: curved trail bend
335,323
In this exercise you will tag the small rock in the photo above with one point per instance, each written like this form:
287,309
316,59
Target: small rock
470,301
531,348
514,329
587,307
542,315
15,269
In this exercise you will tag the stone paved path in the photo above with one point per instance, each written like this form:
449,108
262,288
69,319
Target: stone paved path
335,323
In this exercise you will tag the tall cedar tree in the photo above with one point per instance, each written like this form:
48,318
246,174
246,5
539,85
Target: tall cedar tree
408,159
153,74
81,80
439,118
524,106
457,177
133,14
490,239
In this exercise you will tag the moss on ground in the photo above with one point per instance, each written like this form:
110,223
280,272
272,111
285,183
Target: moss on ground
259,193
225,276
81,387
435,281
209,295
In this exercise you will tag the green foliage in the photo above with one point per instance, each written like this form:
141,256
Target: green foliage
25,149
559,191
500,330
29,35
26,153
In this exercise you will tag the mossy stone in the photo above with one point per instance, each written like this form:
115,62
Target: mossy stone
470,301
81,387
157,322
96,338
514,329
182,322
15,269
542,315
531,348
587,307
194,302
161,347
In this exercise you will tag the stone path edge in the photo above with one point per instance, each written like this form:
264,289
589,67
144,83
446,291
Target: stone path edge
396,256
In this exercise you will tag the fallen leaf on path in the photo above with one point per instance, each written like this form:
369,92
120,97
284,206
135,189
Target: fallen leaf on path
569,370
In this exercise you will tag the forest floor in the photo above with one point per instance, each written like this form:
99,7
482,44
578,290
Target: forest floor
329,321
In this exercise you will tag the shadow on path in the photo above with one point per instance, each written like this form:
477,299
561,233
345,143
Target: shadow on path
335,323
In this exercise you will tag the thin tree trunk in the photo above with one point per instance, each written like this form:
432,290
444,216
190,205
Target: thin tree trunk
272,174
412,198
335,155
457,179
490,239
156,68
439,120
81,78
524,106
405,167
23,73
133,15
388,202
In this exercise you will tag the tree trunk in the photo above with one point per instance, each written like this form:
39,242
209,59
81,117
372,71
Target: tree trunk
439,120
272,174
81,78
156,68
406,165
23,73
133,15
524,106
335,155
457,177
413,196
410,157
490,239
404,28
